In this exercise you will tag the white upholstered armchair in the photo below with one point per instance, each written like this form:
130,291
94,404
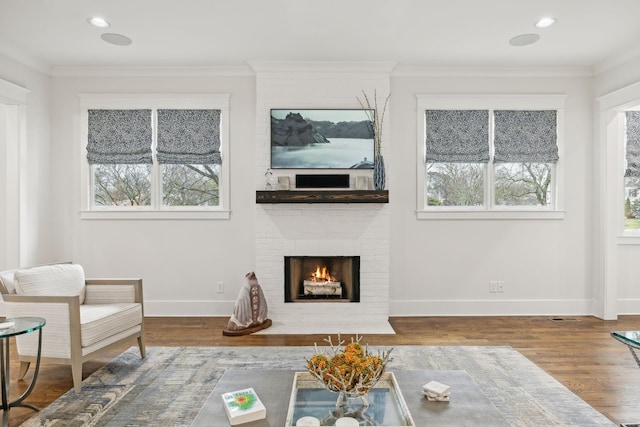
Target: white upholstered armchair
84,316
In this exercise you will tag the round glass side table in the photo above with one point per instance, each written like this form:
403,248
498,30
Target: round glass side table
10,328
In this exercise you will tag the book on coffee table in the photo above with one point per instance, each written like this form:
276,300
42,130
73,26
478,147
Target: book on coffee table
243,406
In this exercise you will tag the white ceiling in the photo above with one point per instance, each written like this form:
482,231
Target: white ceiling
54,34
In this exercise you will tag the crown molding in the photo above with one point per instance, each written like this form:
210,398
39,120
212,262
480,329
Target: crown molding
618,59
11,93
116,71
622,99
26,60
342,67
433,71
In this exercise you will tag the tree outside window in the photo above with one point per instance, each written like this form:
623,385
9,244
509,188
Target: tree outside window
455,184
122,185
632,173
124,155
190,185
523,184
519,147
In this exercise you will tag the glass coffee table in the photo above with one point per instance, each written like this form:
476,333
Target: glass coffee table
468,405
631,339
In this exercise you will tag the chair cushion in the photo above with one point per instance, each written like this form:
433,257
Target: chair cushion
8,280
51,280
100,321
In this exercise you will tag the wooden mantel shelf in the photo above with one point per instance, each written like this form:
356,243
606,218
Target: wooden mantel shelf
323,196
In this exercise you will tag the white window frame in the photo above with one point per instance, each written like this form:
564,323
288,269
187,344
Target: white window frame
157,211
489,102
13,144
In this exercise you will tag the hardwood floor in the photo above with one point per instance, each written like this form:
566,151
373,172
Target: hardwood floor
577,351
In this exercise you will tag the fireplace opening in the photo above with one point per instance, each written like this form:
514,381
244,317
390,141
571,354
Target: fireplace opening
325,278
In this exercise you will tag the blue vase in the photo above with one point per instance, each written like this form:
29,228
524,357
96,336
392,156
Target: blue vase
378,172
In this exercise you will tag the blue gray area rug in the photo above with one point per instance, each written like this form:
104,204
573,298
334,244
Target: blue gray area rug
171,384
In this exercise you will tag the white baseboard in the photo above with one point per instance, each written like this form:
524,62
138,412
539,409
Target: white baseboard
491,308
200,308
398,308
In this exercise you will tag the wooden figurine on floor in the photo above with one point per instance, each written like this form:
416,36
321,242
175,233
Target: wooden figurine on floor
250,310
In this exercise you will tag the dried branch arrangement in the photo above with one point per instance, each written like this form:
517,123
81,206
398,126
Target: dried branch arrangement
375,116
350,369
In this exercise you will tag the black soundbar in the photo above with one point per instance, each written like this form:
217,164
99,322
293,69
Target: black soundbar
322,181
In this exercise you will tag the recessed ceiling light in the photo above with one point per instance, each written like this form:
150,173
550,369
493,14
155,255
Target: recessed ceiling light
524,39
545,22
117,39
99,22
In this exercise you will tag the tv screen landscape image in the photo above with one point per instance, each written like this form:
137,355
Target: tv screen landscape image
321,139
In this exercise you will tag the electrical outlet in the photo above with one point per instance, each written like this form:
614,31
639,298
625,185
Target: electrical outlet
493,286
500,286
220,287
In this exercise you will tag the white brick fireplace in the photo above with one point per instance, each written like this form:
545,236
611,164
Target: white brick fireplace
325,230
333,229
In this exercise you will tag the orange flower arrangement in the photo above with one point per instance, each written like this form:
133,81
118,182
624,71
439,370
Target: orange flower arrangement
351,369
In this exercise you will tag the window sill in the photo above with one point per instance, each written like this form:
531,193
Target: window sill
629,240
155,215
453,214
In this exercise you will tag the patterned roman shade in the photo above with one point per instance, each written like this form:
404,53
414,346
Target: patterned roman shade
189,136
119,136
460,136
525,136
633,144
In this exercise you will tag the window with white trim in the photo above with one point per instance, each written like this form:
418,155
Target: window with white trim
632,173
497,154
156,155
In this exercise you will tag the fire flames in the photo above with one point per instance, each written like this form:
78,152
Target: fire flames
322,275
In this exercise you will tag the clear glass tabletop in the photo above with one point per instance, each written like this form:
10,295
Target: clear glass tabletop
631,338
8,328
386,405
20,325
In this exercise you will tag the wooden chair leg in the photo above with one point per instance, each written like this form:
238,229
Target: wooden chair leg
76,373
24,367
141,346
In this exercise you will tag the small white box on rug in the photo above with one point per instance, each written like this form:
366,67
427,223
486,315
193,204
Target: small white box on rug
436,391
436,388
243,406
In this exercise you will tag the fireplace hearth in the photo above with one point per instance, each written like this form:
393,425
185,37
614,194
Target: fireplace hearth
321,279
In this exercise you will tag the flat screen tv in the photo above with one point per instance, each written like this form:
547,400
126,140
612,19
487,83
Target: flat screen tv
321,139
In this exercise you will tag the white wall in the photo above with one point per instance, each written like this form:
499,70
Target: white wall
443,267
628,279
35,226
437,267
180,261
5,188
620,273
